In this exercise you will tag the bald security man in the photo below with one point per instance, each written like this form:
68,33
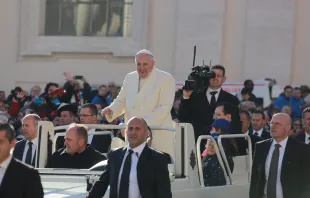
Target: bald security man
135,170
281,164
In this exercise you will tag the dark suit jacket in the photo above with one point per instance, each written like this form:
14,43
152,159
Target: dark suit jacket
152,175
21,181
301,137
243,144
20,146
295,172
197,110
265,134
101,143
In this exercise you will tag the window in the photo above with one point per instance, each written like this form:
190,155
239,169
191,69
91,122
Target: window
115,27
88,18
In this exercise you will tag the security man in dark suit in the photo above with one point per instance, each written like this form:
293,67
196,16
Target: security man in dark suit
198,108
305,137
17,180
258,123
148,169
88,115
25,150
281,164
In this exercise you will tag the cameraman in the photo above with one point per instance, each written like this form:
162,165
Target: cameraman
198,108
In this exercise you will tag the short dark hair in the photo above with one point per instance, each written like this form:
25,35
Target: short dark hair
247,114
2,91
92,107
288,87
9,131
228,108
260,112
48,85
248,81
220,67
101,86
297,88
245,91
306,110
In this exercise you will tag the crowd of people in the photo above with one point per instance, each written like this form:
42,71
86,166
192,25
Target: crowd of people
156,102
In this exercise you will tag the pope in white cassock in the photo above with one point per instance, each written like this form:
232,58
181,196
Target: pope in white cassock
147,93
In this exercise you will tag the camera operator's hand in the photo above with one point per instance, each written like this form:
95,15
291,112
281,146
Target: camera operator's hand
187,94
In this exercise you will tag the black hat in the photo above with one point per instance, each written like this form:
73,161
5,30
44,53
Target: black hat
67,107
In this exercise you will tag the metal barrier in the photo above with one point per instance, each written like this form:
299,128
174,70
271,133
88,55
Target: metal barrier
57,135
103,127
106,126
228,136
218,154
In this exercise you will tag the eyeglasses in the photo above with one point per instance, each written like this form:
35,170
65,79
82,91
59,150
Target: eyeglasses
84,115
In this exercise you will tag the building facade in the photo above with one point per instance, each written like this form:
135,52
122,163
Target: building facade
41,39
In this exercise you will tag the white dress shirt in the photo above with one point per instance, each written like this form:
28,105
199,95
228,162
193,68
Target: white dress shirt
90,137
307,138
209,96
34,147
259,132
3,166
267,166
133,191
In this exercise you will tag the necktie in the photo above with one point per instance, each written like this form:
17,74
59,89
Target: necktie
256,134
273,173
29,154
124,184
309,140
213,101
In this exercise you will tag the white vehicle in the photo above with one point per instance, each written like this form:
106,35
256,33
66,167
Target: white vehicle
185,172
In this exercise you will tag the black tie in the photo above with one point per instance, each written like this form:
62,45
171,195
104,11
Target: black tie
124,184
273,173
29,154
309,140
213,101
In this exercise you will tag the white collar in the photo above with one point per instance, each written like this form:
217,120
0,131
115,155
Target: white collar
138,150
259,131
282,143
5,163
307,135
218,90
34,141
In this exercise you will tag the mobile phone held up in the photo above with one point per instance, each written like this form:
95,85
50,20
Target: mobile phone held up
78,77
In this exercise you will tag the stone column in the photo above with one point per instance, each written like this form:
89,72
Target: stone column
232,56
300,67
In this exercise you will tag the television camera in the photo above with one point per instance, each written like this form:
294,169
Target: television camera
198,79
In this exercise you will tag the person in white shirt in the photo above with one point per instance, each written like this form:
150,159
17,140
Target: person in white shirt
17,180
281,164
135,171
